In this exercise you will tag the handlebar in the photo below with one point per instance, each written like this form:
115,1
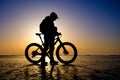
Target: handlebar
58,34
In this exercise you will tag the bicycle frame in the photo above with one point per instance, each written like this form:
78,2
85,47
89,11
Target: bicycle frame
57,39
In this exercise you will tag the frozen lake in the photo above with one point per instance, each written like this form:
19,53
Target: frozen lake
84,68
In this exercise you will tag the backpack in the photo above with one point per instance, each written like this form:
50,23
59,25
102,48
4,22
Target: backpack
42,28
44,25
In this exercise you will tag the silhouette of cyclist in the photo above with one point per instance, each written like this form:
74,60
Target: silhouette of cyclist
49,31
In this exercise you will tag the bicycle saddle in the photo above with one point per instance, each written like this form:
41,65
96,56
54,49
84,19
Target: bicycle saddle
38,34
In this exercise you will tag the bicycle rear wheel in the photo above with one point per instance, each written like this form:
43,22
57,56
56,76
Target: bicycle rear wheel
66,52
33,53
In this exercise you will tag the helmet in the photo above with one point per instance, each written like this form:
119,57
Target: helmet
54,15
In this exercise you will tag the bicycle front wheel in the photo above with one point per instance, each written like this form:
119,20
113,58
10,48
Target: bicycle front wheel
66,52
33,53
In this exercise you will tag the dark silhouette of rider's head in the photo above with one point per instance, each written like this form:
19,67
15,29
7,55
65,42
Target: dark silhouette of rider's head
53,16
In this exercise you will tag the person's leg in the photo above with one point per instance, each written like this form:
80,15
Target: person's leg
44,52
51,53
52,61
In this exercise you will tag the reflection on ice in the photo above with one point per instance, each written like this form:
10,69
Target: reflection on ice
84,68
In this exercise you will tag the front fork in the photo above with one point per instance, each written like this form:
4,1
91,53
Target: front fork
64,49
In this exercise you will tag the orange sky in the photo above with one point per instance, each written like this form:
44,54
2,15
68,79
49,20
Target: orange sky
20,21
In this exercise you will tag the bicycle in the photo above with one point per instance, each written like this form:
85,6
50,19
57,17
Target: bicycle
66,52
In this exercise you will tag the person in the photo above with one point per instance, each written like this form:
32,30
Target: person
49,31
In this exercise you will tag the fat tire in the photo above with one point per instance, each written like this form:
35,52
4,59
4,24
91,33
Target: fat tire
26,52
74,54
